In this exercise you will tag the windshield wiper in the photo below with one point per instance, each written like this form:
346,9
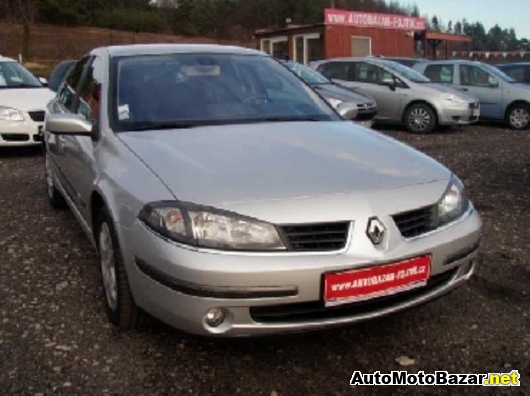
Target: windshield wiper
283,119
148,125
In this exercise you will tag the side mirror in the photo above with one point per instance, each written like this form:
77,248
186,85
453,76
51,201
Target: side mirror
67,124
390,83
348,111
493,82
43,81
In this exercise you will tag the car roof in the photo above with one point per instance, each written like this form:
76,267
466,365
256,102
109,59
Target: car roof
160,49
454,61
5,59
399,57
514,64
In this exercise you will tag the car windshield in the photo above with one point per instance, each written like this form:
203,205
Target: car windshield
14,75
191,89
407,72
498,73
310,76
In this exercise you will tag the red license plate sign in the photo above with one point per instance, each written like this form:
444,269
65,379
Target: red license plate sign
384,280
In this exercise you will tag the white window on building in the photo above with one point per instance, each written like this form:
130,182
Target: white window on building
361,46
275,46
308,48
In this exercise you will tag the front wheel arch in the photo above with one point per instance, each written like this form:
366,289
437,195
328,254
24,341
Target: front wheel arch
513,105
424,103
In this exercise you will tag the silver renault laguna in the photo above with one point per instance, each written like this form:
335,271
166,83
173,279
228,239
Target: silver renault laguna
228,203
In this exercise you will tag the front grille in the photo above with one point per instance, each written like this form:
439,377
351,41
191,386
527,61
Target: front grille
15,137
316,237
315,310
416,222
37,116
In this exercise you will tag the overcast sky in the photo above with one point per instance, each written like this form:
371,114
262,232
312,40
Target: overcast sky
506,13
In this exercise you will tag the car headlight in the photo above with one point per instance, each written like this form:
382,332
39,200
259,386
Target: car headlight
335,102
209,227
453,98
9,114
454,203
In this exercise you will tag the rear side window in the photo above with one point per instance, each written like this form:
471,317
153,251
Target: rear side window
440,73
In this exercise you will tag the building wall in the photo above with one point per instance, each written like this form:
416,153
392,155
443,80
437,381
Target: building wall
386,42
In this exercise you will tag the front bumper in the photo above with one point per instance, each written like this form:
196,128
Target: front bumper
21,133
463,115
271,293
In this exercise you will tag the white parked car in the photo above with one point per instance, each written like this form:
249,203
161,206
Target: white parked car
23,99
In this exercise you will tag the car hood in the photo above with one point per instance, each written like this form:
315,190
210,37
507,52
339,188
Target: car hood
335,91
243,163
26,99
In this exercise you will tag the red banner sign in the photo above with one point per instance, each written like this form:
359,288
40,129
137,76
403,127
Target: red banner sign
373,20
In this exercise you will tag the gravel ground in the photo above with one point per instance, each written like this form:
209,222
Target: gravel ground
54,336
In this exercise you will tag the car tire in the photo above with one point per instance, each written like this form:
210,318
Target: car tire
518,117
420,118
121,309
55,198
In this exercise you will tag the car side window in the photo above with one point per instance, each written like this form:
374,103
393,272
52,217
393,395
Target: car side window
516,72
371,74
366,73
334,70
440,73
473,76
88,105
66,93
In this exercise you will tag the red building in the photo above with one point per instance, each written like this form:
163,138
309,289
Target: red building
351,33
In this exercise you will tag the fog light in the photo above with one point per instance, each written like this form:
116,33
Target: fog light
214,317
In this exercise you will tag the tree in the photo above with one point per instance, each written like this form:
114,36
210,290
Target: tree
458,27
450,27
25,13
435,23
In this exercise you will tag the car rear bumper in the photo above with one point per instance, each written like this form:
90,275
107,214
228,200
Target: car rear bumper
277,293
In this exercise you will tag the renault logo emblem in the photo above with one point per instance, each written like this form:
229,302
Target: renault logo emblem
375,230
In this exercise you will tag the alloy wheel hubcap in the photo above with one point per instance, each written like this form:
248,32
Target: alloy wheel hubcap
108,266
49,177
519,118
419,119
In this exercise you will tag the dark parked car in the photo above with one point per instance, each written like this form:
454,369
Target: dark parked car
336,94
58,74
519,71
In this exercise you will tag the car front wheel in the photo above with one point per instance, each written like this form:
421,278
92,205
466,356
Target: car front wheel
519,117
420,118
120,306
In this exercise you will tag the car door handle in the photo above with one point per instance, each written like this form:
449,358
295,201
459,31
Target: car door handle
464,89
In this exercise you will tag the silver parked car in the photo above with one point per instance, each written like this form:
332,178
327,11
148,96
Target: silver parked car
502,98
403,95
228,207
